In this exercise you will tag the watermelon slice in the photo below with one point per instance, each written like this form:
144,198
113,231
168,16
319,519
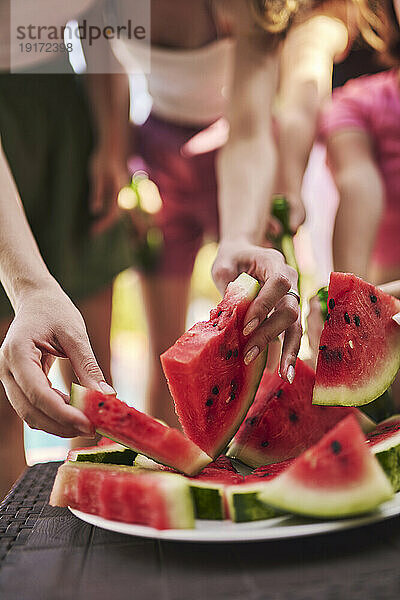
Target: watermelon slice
112,453
138,431
207,488
282,422
243,501
359,353
129,494
211,386
384,442
338,477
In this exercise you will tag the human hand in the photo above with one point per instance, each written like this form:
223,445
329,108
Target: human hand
48,325
108,174
273,311
289,222
315,325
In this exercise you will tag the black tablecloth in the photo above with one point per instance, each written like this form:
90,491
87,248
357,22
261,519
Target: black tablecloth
47,553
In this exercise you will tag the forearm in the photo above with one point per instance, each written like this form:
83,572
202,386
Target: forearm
360,209
247,163
246,172
297,125
109,98
21,266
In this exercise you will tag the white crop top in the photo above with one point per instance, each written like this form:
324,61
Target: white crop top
186,86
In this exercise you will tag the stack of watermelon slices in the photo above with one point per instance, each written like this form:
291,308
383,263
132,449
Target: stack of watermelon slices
282,422
211,409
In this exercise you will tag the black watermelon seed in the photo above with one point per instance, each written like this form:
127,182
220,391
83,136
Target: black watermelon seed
357,320
236,353
210,402
266,474
278,394
336,447
339,355
293,417
232,396
251,421
215,390
373,298
347,317
322,347
229,354
264,444
101,404
234,385
215,324
328,316
331,304
219,313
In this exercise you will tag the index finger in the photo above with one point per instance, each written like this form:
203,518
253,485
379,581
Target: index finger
273,290
27,372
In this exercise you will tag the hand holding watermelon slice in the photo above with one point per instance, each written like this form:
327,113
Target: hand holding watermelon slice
273,301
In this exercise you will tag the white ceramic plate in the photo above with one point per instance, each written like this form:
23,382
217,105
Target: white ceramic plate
226,531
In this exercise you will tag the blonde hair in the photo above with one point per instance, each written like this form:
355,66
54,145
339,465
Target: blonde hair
276,16
379,27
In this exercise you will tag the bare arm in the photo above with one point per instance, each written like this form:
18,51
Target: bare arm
46,325
361,193
305,81
108,92
246,171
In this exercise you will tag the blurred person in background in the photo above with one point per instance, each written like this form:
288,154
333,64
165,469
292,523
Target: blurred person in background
63,137
214,59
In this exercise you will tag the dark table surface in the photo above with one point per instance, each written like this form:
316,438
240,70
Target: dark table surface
47,553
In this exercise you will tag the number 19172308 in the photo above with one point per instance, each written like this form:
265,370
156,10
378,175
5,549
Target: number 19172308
40,47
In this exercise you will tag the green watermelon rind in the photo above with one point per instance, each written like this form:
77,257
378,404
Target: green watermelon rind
77,399
208,498
387,452
175,487
115,454
342,395
287,494
390,463
245,505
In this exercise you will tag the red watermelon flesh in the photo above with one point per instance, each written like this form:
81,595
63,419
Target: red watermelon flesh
211,386
359,353
138,431
386,435
282,422
337,477
128,494
268,471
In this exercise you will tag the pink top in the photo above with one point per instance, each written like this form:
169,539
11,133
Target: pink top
372,103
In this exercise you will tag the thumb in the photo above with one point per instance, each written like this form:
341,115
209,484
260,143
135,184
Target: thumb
85,366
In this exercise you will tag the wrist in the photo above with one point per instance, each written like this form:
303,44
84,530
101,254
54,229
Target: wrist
26,286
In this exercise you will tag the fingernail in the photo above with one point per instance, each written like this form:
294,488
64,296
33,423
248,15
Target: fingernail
251,326
251,355
290,374
87,431
107,389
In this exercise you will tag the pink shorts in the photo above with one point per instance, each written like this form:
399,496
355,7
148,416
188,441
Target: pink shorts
188,189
